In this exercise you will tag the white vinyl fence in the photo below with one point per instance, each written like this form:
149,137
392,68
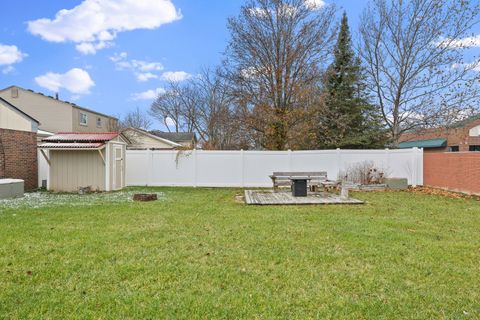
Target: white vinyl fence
252,168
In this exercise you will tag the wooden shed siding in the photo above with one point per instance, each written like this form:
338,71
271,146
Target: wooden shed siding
73,169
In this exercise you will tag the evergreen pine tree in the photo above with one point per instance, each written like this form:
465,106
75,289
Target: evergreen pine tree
348,120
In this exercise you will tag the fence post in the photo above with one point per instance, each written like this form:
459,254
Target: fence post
290,160
195,168
242,159
414,166
339,161
387,161
149,167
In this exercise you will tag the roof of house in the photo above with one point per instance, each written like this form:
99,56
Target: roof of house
63,101
20,111
431,143
89,137
175,136
148,134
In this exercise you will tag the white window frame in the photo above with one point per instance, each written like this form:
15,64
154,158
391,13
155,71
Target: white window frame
86,119
99,122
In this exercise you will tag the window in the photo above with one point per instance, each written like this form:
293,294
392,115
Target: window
474,148
99,122
14,92
453,149
83,119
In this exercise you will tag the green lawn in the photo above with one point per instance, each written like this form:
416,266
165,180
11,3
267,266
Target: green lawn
198,254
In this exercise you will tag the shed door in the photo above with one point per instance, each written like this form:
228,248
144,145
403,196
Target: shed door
117,168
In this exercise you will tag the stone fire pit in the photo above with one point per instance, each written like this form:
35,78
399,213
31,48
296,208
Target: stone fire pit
145,197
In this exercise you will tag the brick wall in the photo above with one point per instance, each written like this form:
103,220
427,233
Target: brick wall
455,171
18,156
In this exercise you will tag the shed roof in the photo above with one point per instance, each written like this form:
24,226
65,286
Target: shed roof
432,143
74,145
82,137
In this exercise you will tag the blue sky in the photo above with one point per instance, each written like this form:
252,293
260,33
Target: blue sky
117,57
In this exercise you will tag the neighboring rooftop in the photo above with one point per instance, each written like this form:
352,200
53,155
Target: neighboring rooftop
59,100
175,136
431,143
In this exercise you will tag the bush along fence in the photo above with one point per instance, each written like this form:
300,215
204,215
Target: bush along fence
252,168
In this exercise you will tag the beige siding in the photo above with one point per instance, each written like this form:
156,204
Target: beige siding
107,124
54,116
71,169
141,141
14,120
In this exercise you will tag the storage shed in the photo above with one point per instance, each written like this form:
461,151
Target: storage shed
85,160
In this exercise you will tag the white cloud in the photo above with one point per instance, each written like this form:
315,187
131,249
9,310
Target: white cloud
314,4
468,42
91,48
76,81
143,70
149,94
176,76
8,69
473,66
10,55
94,24
170,122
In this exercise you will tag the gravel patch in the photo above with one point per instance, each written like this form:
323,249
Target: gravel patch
48,199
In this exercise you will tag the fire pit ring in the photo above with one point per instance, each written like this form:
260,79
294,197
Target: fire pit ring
145,197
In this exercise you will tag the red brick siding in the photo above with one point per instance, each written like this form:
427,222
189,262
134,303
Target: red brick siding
456,171
18,156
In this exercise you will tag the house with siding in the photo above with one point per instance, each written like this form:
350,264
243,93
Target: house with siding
138,139
56,115
462,136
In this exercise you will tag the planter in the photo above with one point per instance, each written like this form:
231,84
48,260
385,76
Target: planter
397,183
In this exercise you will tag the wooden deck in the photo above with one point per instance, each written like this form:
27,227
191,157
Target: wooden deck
261,197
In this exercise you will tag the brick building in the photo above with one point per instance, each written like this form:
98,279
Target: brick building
459,137
18,145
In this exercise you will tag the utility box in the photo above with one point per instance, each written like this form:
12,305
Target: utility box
11,188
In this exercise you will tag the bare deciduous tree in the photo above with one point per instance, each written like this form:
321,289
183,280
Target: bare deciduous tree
414,56
202,105
136,119
176,104
274,61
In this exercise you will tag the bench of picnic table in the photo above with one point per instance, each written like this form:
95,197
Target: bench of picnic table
285,178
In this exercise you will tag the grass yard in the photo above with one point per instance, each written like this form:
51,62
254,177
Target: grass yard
198,254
